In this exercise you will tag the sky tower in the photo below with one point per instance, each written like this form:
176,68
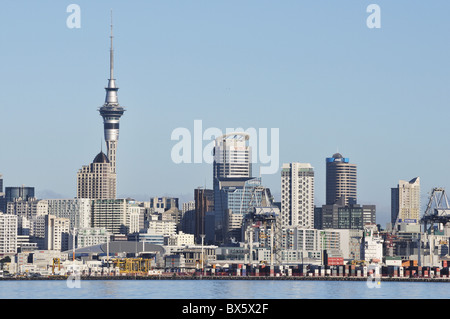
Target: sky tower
111,111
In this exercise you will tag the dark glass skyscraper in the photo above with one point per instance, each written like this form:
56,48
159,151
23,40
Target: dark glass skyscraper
204,203
340,181
22,192
13,193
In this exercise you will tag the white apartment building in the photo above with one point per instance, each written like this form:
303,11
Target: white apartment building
300,242
77,210
8,234
52,232
181,239
27,208
90,236
188,206
162,227
110,214
134,214
297,195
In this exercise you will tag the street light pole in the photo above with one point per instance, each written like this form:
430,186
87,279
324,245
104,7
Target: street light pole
203,267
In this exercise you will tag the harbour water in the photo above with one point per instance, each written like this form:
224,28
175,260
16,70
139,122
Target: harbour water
220,289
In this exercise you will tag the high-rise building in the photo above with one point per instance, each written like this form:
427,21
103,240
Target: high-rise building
340,181
232,156
204,202
405,202
297,195
110,214
232,167
111,112
8,234
97,180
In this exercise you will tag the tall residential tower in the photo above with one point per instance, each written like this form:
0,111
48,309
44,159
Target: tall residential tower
297,195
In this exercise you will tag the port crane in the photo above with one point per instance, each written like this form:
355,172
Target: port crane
438,209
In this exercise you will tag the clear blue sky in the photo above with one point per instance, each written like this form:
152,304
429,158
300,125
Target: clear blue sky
313,69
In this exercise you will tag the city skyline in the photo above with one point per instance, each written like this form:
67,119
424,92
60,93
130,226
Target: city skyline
271,66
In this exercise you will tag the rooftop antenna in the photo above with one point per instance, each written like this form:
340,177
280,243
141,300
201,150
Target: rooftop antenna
111,52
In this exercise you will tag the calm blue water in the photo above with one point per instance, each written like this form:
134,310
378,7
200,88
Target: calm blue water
221,289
